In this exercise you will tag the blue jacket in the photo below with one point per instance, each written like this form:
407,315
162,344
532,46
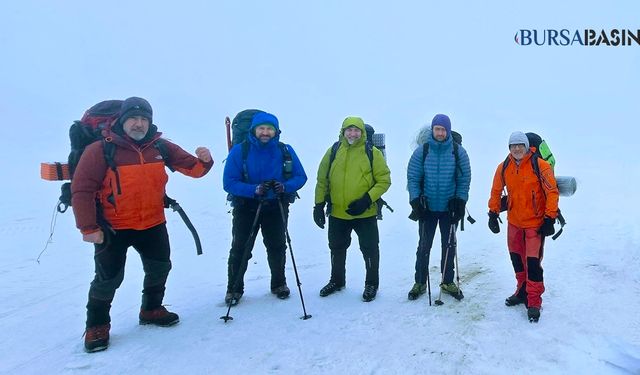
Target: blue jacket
264,162
439,173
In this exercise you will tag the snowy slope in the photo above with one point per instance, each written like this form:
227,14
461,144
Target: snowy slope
396,66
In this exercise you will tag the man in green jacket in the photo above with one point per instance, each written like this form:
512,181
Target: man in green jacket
351,178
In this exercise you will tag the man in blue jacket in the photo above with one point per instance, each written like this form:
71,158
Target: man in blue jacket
438,184
263,172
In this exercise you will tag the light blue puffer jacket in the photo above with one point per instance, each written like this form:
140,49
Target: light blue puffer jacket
439,173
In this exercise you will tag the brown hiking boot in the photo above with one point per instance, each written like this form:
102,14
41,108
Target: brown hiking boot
159,317
96,338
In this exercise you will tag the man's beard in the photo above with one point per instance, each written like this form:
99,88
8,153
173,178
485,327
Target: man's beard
137,135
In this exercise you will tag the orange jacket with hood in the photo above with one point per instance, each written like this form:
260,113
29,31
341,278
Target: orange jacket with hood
529,199
132,198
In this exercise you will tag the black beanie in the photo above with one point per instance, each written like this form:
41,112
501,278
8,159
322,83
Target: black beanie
135,106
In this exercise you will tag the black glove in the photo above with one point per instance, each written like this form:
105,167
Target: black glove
493,222
359,206
456,209
262,188
419,208
547,228
278,187
318,214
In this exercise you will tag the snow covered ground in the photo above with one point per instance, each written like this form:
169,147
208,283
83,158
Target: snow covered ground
312,65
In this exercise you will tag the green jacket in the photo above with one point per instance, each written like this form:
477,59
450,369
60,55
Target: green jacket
350,176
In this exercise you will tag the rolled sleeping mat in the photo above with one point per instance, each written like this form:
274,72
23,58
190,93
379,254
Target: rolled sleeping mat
567,185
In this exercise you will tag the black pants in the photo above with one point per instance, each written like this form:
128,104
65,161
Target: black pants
153,246
340,239
427,231
271,224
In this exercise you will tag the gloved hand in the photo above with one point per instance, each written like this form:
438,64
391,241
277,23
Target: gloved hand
318,214
547,228
456,209
419,208
278,187
493,222
262,188
359,206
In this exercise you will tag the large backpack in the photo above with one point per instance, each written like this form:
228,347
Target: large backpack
81,134
374,140
238,134
542,151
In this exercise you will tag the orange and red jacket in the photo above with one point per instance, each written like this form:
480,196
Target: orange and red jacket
132,197
529,199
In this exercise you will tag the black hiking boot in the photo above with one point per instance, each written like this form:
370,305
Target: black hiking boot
369,293
159,316
96,338
417,290
330,288
515,300
534,314
281,292
232,299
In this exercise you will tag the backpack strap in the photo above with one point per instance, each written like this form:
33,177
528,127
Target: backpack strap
245,154
287,161
505,163
161,146
332,157
109,150
368,148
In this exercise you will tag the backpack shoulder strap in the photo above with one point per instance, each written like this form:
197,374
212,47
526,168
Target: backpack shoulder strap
109,150
245,154
505,163
332,156
161,146
368,148
287,161
425,151
456,149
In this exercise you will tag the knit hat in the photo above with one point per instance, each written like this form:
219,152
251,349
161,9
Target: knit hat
442,120
135,106
519,138
264,118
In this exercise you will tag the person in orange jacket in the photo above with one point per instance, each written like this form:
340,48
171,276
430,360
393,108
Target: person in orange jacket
118,193
532,208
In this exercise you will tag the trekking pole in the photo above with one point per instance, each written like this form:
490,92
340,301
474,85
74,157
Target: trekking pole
452,229
460,295
293,260
245,256
421,244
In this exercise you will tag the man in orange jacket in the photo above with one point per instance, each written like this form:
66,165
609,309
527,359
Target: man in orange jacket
118,192
532,207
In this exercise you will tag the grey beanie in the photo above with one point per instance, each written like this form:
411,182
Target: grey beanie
517,138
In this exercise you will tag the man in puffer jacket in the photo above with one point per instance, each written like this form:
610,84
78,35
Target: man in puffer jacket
438,191
351,184
532,208
263,183
119,203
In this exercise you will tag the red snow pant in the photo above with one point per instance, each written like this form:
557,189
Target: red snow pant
526,248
